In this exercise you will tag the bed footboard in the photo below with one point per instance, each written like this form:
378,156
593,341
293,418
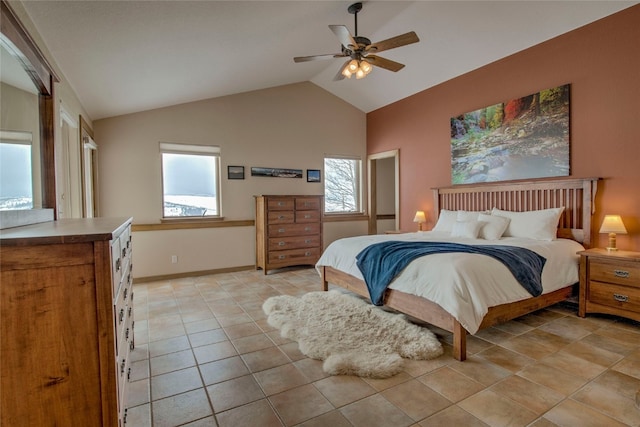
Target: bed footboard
412,305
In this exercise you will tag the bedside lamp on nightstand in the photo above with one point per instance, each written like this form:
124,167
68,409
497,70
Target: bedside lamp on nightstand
420,218
612,224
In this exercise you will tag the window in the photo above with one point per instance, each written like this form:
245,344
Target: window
16,181
190,180
342,185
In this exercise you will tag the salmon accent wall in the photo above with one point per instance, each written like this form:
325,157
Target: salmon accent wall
601,63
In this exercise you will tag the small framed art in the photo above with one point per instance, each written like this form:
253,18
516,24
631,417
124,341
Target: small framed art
313,175
235,172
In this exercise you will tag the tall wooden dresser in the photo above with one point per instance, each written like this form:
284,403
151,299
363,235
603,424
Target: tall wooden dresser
288,231
66,306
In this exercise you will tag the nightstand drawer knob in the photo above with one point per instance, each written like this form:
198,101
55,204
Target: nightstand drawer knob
621,273
620,298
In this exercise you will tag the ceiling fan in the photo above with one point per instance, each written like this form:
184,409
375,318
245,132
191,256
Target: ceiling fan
360,51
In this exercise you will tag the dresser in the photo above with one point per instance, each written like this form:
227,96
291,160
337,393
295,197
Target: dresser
288,231
67,322
610,283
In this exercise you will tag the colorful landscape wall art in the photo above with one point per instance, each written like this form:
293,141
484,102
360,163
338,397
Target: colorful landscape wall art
522,138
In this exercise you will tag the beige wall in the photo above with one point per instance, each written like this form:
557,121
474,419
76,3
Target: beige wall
291,126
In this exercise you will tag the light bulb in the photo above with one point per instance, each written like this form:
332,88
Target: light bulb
360,74
353,66
346,72
366,67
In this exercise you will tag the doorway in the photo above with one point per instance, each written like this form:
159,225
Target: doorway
384,191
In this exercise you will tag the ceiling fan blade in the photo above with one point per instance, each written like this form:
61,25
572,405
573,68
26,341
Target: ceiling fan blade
387,64
393,42
344,36
317,57
340,76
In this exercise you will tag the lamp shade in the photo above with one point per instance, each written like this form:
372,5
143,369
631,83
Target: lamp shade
613,224
420,217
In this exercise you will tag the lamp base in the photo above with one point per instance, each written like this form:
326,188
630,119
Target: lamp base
612,243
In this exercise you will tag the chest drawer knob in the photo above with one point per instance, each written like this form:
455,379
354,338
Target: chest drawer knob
121,315
281,243
620,297
281,230
282,257
621,273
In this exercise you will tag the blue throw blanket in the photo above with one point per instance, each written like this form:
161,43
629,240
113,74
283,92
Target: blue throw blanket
381,262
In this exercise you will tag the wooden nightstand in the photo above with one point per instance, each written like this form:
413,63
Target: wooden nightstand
610,283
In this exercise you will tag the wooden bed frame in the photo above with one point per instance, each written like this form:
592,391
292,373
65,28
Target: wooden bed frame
576,195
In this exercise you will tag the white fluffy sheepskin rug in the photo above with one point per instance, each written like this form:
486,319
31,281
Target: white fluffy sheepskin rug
352,336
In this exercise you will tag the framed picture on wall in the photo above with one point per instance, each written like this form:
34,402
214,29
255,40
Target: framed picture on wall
313,175
235,172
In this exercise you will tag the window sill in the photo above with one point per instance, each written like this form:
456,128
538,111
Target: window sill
184,224
345,217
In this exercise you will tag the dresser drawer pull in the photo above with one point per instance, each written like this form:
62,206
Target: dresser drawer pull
131,345
129,312
621,273
307,254
281,217
118,264
121,315
282,257
129,374
280,203
281,230
308,241
620,298
307,216
307,229
126,334
122,366
281,243
126,291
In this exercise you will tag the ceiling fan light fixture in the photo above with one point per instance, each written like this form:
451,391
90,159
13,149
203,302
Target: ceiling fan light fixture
346,72
365,67
353,66
360,74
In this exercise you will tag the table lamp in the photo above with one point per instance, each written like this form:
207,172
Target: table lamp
420,218
612,224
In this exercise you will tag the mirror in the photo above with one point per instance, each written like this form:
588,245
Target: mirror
19,137
28,124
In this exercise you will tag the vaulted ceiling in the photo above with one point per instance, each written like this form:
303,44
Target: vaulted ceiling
127,56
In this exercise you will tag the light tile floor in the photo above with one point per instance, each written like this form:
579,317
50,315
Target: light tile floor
205,356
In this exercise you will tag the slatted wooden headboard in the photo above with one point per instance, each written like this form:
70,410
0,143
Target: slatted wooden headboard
577,195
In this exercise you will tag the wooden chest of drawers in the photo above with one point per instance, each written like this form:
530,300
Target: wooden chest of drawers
67,322
610,283
288,231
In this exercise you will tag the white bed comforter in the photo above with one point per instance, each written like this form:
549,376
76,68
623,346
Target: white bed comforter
465,285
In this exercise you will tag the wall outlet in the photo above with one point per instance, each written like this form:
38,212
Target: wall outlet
174,259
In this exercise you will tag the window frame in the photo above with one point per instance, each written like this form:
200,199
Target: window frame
359,186
192,150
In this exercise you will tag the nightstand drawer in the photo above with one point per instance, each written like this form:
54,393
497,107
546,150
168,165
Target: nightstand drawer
615,271
626,298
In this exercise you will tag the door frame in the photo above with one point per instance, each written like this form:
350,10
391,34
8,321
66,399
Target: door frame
373,188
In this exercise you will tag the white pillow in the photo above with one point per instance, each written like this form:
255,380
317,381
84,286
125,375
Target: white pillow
539,225
468,229
446,220
493,226
470,215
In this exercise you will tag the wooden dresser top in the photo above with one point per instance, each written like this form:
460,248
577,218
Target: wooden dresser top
64,231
